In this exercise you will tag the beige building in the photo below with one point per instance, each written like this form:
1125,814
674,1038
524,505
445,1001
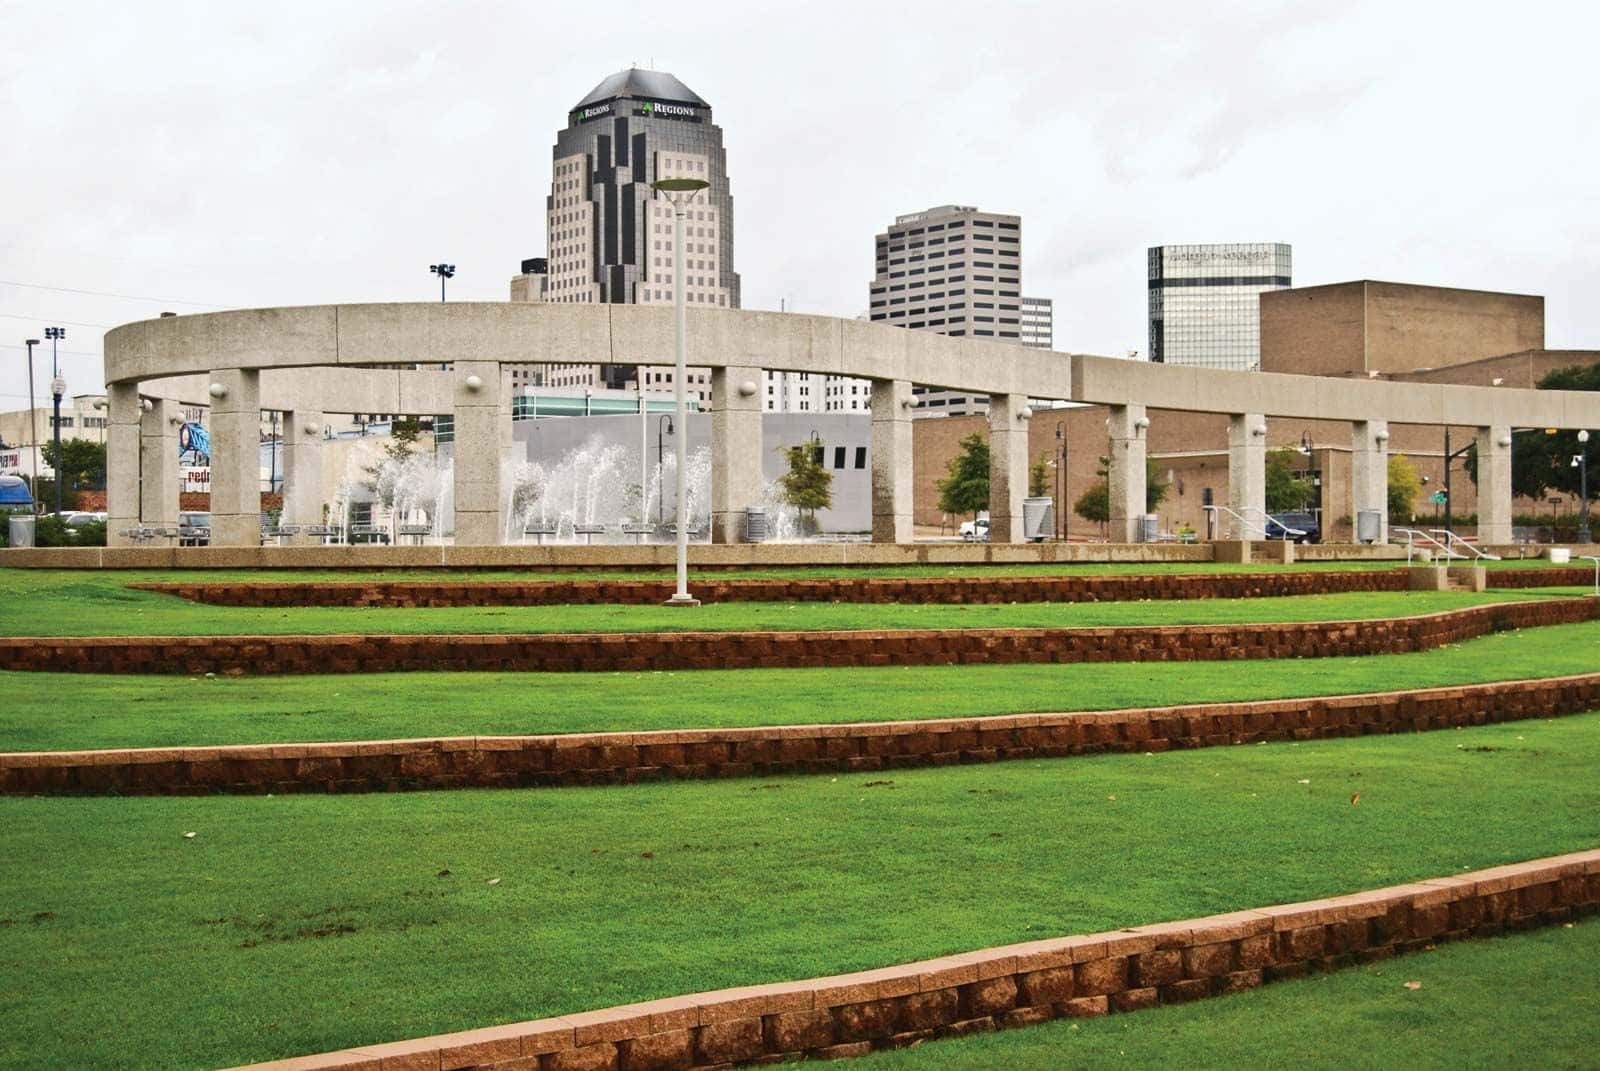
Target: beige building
953,270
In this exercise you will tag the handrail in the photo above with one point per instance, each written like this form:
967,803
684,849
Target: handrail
1269,517
1422,537
1592,558
1452,539
1244,525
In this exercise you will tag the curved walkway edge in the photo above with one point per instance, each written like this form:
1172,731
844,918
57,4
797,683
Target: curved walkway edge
632,652
624,757
1009,986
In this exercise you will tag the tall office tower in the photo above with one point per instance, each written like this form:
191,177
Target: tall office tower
1205,302
954,270
1038,323
610,235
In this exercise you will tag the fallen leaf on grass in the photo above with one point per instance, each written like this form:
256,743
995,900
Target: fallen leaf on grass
1355,799
1113,799
444,873
188,836
492,881
1413,985
1303,781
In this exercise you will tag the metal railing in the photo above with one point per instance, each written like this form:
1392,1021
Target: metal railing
1245,524
1451,541
1592,558
1415,536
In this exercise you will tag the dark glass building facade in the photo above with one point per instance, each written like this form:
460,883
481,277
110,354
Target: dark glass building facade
1205,301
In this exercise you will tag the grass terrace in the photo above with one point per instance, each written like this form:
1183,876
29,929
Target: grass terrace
69,711
70,604
301,924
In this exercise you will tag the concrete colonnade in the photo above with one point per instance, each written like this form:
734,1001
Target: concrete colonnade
235,457
302,472
891,461
1008,466
1247,469
735,449
158,462
1369,473
1494,484
123,432
1126,470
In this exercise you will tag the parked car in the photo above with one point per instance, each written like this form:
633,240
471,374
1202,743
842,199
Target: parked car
194,529
1286,525
975,531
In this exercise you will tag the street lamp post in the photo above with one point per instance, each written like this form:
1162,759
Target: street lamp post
1583,486
681,192
33,420
1061,479
661,498
443,271
58,387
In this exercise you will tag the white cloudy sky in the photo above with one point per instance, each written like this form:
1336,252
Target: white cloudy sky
224,154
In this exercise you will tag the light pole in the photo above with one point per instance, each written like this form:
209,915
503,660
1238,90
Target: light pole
681,192
1582,461
661,498
33,419
58,387
443,271
1061,478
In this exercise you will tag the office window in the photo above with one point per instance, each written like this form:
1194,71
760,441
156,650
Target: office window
838,457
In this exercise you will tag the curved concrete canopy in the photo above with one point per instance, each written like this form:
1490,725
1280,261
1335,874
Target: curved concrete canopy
344,338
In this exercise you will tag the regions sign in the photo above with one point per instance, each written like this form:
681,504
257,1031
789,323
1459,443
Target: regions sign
657,110
583,115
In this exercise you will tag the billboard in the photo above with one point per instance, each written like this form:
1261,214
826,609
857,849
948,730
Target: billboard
194,445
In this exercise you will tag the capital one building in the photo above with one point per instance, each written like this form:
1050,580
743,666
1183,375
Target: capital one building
610,237
1205,301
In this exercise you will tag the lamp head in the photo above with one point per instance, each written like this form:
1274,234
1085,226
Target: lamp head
679,185
1583,436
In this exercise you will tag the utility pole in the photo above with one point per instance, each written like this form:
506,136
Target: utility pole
33,420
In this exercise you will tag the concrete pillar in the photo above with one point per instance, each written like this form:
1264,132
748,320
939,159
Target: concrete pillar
1126,472
1494,484
302,472
891,461
1008,466
736,479
1369,474
1247,472
479,440
236,458
158,464
122,463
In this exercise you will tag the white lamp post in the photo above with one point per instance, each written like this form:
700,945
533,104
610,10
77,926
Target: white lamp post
681,192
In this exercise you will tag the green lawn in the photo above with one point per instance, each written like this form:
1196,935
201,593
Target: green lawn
68,604
48,711
1527,1001
300,924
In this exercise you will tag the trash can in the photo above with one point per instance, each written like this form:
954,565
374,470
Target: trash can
755,524
1149,527
1038,518
1369,525
20,529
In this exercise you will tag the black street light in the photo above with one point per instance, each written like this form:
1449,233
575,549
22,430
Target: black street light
1582,461
661,491
443,271
58,387
1061,479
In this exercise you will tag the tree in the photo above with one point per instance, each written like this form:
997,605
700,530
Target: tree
808,485
965,487
1542,462
1039,476
1404,486
83,463
1095,503
1284,491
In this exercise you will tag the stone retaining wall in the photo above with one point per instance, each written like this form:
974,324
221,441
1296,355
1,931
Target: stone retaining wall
968,588
1010,986
613,758
645,651
957,589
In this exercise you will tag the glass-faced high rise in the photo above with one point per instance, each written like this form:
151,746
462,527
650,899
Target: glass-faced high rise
610,238
1205,307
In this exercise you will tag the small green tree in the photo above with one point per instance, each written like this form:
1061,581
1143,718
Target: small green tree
1095,504
1284,490
1039,477
1404,486
808,485
965,487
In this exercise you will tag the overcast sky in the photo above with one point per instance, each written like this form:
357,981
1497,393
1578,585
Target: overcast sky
224,154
